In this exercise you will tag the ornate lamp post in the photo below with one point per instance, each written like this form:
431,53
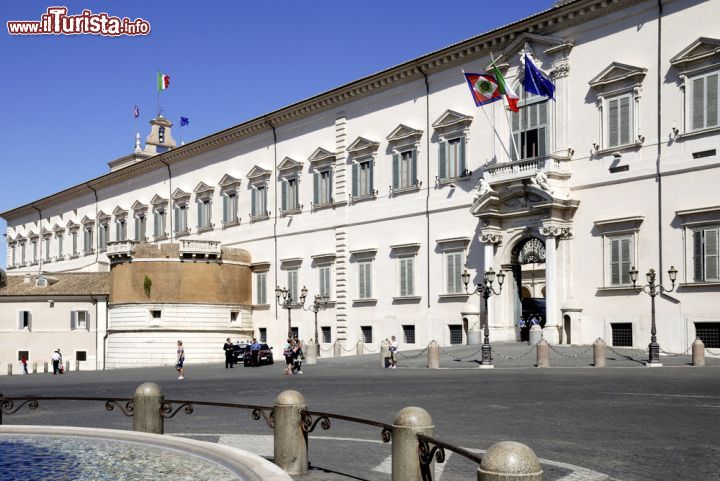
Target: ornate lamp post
653,290
319,304
485,290
288,302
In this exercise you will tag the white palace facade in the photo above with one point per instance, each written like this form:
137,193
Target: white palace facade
379,193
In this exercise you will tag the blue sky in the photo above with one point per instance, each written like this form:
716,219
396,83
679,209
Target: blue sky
67,100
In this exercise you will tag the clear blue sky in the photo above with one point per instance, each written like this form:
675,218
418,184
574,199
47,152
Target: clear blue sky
67,100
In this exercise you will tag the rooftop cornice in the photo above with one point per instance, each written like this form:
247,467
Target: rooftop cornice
548,21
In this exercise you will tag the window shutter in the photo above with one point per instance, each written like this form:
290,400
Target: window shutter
712,101
442,162
698,107
413,168
330,185
177,218
613,123
410,277
253,202
226,208
371,181
450,283
403,277
461,161
361,281
20,319
201,215
625,261
697,256
355,178
73,320
542,136
615,262
395,171
284,202
316,187
711,254
368,280
625,121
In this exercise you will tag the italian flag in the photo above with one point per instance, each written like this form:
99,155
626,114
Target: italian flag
506,90
163,81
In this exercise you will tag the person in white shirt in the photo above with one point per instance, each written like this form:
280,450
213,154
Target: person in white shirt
56,360
393,352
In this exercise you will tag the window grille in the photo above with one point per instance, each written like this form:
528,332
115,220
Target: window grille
622,334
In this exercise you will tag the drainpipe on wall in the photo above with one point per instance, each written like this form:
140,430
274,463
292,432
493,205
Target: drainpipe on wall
97,234
170,213
427,178
40,239
275,217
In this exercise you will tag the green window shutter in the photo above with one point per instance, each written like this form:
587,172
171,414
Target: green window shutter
296,194
698,103
73,320
413,168
403,277
697,256
711,254
625,120
316,187
284,203
442,162
410,279
450,284
226,201
613,121
396,171
330,185
371,181
712,101
461,152
615,262
361,281
253,202
201,215
355,179
177,218
625,248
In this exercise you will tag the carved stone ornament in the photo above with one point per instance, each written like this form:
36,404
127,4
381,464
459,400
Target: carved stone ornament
482,188
555,230
490,235
560,69
541,180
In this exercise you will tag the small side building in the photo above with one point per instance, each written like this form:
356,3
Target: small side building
43,312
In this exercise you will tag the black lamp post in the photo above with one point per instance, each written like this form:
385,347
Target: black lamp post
319,304
485,290
653,290
288,302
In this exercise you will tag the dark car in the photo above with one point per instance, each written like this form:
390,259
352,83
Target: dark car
264,356
239,352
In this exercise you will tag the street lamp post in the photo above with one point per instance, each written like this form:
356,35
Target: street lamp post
319,304
653,289
485,290
288,302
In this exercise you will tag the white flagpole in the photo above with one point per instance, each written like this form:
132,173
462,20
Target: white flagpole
512,137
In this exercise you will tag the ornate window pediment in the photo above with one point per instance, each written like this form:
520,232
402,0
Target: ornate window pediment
288,165
157,201
32,235
321,155
617,75
203,189
402,134
119,212
72,225
229,182
362,146
138,207
554,49
702,49
101,216
87,220
258,173
452,121
46,232
58,229
179,194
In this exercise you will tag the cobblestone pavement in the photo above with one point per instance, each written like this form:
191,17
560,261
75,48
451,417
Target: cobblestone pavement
626,422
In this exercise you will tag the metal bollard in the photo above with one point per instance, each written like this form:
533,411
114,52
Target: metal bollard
360,348
337,349
34,368
433,355
599,353
289,438
147,403
385,354
405,462
508,461
698,353
45,367
543,353
311,351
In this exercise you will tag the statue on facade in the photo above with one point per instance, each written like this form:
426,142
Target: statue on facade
483,187
541,180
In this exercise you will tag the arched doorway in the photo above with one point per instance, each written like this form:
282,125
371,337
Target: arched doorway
528,266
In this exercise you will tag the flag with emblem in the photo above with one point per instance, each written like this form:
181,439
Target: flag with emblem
484,88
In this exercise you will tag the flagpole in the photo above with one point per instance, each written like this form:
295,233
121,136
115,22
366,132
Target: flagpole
512,136
158,93
492,124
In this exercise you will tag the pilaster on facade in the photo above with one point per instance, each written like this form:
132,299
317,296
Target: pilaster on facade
340,155
341,294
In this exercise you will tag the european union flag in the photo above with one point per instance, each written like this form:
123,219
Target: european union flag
536,81
184,121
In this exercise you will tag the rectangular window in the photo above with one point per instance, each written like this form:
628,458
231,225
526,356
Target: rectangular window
230,207
159,224
456,334
263,334
451,158
204,214
81,356
140,228
367,334
79,320
709,334
619,121
25,354
453,273
326,334
408,334
24,320
88,240
181,219
60,251
234,316
103,230
363,179
259,201
705,254
324,281
365,280
530,130
622,334
704,95
621,259
290,195
407,276
261,288
404,170
120,230
74,236
292,281
322,187
295,332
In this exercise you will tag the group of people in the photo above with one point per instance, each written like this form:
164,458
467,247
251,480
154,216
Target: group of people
525,323
294,356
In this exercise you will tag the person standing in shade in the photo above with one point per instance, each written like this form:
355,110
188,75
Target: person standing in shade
228,348
393,352
180,365
56,358
23,360
255,352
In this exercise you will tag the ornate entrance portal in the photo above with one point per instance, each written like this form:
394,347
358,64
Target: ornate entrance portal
528,267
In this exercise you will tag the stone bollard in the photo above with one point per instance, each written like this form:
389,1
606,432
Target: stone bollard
385,354
67,366
147,402
77,365
289,438
9,369
34,368
698,353
311,351
360,348
535,334
45,367
433,355
405,462
543,353
508,461
599,353
337,349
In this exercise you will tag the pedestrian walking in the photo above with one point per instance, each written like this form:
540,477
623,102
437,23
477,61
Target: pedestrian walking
23,360
180,364
56,359
288,353
229,350
297,357
393,352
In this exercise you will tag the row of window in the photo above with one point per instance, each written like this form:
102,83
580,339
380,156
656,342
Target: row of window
79,320
707,332
79,355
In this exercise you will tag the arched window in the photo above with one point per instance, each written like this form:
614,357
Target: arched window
530,126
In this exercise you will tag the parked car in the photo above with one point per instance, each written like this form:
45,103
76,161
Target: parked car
265,355
239,352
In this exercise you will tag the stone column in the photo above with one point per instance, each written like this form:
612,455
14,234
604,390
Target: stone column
147,402
509,461
311,353
289,438
405,461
